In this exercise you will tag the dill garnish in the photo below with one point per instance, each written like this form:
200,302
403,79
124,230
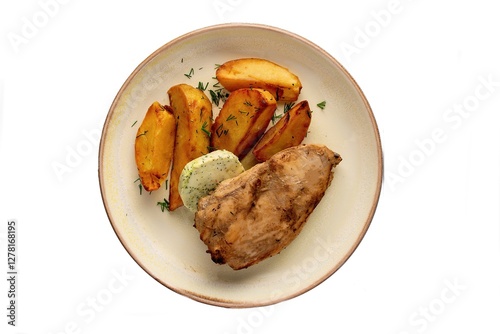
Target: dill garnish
322,105
218,95
287,107
230,118
190,74
140,185
201,87
275,118
204,129
165,205
142,134
221,131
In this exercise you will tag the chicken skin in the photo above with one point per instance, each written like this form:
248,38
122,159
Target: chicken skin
256,214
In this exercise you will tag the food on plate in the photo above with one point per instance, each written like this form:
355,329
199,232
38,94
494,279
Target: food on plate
259,73
154,146
256,214
242,120
193,113
201,175
289,131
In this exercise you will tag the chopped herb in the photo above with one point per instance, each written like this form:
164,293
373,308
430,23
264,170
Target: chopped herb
142,134
201,87
247,103
218,95
309,113
190,74
221,131
322,105
275,118
244,112
165,205
204,129
217,66
215,97
287,107
230,118
133,124
182,60
140,185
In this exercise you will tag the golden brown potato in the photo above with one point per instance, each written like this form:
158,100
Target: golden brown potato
289,131
242,120
154,146
259,73
193,113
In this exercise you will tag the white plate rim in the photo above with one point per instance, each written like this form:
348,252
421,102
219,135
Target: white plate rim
210,299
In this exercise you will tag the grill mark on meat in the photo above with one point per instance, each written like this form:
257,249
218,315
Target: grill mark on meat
257,214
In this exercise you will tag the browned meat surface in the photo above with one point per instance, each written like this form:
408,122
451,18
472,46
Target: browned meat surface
258,213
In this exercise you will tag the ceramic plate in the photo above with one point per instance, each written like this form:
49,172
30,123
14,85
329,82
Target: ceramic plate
167,246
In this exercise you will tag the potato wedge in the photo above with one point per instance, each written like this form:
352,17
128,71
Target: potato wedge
154,146
242,120
259,73
193,114
289,131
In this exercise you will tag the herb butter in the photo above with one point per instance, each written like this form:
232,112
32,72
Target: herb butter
201,175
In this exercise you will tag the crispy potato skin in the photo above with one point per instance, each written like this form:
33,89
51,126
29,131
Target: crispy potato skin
193,113
289,131
259,73
242,120
154,146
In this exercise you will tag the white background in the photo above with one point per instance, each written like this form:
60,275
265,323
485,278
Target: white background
430,261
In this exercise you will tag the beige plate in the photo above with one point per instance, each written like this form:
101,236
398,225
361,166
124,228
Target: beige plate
167,246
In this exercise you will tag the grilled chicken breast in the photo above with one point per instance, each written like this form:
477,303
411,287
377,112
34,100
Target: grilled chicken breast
256,214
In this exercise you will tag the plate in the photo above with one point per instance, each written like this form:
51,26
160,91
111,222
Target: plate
167,246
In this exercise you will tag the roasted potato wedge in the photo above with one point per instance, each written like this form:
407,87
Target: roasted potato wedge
259,73
243,119
289,131
193,114
154,146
